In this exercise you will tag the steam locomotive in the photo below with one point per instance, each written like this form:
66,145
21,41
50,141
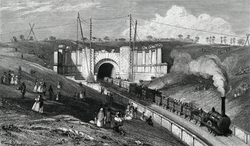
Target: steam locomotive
216,123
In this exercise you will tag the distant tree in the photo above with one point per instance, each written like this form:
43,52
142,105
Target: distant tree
52,38
210,39
84,39
241,41
180,36
116,40
221,39
31,38
106,38
22,37
149,37
207,39
99,40
213,39
225,39
122,39
14,39
233,40
188,37
46,39
94,38
196,39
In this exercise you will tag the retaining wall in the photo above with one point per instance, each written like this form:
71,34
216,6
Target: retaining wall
241,134
178,131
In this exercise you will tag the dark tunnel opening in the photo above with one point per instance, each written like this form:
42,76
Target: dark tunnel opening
105,70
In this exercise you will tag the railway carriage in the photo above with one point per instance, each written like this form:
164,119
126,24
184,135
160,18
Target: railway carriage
117,82
178,108
165,102
158,99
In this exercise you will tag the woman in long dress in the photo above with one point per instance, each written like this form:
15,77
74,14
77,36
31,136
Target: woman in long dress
36,105
100,118
12,80
16,80
36,86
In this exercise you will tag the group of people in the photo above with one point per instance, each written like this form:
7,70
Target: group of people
10,78
40,87
130,112
80,95
104,118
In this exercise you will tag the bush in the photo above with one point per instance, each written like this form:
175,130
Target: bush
32,71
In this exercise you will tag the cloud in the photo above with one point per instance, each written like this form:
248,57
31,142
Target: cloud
13,6
78,7
35,7
177,19
40,9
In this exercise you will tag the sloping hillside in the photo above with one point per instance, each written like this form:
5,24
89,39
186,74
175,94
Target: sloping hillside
64,122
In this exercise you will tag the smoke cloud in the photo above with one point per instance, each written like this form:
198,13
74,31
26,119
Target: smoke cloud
181,61
205,66
230,63
210,65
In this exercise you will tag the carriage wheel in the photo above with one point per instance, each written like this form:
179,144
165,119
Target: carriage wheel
209,123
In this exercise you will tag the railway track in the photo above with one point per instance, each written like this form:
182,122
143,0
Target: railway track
190,125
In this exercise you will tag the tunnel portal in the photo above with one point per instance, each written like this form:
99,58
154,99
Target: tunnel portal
106,70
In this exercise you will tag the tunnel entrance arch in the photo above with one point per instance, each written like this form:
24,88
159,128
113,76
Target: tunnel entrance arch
106,68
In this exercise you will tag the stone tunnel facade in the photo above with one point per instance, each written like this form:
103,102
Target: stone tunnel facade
147,62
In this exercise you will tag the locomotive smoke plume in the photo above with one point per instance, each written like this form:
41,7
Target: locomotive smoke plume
205,66
181,61
210,65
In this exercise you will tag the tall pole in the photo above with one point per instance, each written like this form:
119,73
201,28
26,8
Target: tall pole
90,45
131,50
135,33
77,32
247,40
85,52
130,30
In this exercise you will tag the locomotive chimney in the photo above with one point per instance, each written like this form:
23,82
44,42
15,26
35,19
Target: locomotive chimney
223,106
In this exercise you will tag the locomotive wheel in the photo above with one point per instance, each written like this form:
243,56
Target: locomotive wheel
209,123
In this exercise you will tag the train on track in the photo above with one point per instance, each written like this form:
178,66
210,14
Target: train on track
216,123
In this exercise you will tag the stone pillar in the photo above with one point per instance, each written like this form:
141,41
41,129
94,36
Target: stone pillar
124,62
143,56
154,55
159,56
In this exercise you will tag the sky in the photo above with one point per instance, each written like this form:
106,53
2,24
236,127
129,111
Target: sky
158,18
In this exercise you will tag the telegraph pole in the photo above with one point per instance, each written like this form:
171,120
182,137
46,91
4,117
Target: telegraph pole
131,56
130,30
90,45
135,34
247,40
77,33
85,51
